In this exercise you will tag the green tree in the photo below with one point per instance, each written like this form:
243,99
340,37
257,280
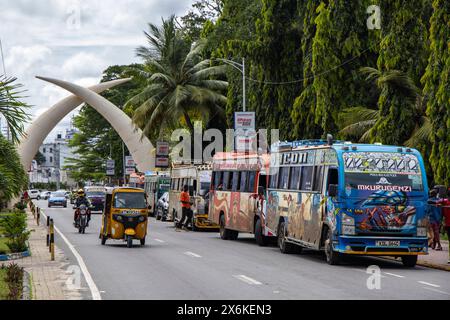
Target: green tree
11,108
13,178
403,48
179,84
437,90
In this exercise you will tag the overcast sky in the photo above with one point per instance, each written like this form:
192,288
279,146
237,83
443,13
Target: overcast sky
73,40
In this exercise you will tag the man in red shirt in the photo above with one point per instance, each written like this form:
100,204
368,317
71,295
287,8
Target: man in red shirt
185,200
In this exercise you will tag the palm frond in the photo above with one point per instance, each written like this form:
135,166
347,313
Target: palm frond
422,134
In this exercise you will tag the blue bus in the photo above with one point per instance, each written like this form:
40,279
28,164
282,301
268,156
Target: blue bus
347,199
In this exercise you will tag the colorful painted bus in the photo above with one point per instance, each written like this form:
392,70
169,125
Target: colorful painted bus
234,201
155,186
348,199
198,178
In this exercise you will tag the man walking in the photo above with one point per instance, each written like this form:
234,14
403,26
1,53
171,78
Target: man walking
185,200
435,221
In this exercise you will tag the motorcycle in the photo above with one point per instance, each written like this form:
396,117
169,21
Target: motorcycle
82,220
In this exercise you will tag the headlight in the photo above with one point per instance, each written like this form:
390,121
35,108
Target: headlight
421,231
141,219
119,218
348,225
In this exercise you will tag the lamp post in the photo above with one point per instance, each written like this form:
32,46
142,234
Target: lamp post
241,68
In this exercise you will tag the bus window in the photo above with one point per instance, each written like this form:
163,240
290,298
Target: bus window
318,178
226,181
235,181
306,178
251,182
243,185
284,178
295,178
218,181
333,177
274,180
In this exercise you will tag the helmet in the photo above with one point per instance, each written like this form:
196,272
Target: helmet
80,192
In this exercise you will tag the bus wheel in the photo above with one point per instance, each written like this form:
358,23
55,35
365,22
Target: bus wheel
409,261
261,240
194,226
284,246
103,239
224,234
142,242
333,257
233,234
174,219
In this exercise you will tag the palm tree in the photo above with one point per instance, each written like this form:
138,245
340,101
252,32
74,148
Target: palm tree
179,84
358,122
11,108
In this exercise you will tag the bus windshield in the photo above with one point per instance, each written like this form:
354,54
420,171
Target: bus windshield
374,171
132,200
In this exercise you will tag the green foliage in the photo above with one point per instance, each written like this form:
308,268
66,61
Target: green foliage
12,108
13,178
179,84
40,158
13,276
437,90
15,228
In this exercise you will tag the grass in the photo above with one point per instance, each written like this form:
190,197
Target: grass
3,247
4,291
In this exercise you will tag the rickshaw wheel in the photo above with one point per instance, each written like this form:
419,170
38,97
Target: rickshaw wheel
142,242
129,242
103,239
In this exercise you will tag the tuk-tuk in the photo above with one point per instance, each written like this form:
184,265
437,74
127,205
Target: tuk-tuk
125,215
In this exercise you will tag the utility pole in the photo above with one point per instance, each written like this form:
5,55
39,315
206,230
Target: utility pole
244,100
123,164
8,134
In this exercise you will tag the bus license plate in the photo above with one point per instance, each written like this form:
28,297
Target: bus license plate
387,243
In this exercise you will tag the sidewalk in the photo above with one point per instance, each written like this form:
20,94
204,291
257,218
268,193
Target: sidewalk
436,259
48,277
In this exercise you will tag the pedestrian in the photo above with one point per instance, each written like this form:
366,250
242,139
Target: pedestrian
445,203
435,220
185,200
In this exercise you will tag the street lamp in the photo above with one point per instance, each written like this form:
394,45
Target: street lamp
241,68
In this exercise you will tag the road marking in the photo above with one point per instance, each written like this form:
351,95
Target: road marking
192,254
247,280
435,290
159,240
92,287
394,275
429,284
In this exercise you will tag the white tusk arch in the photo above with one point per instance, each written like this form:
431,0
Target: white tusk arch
140,147
42,126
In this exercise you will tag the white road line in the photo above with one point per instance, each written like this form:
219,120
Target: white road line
429,284
394,275
435,290
92,287
159,240
192,254
247,279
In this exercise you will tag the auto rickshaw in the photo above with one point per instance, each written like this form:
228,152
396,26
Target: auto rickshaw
125,215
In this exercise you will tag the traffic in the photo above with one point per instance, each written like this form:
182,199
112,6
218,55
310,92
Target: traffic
331,196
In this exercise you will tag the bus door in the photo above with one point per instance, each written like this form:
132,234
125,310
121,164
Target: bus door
331,179
251,199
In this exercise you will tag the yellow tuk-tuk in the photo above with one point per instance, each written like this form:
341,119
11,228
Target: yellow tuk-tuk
125,215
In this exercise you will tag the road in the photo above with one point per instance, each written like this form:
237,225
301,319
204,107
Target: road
199,265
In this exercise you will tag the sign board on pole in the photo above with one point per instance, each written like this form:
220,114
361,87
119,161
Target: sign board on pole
130,170
162,149
129,162
162,162
244,120
245,134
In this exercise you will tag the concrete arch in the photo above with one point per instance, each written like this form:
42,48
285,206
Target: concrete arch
139,146
42,126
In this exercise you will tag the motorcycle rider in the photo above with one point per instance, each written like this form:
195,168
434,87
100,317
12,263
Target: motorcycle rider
82,199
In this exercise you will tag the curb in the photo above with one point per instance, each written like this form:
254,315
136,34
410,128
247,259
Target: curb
434,266
15,256
26,289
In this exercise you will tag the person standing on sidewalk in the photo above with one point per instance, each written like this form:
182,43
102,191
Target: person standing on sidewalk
435,221
446,213
185,200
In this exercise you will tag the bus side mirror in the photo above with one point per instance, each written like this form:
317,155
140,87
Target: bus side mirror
442,190
333,190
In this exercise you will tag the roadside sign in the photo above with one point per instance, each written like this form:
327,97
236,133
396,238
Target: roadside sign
162,162
129,162
244,120
162,149
130,170
244,131
110,172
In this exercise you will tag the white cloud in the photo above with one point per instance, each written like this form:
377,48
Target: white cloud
84,64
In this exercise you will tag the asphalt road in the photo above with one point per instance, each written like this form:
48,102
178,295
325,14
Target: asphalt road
199,265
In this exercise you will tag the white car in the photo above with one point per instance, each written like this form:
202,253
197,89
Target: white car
44,195
33,194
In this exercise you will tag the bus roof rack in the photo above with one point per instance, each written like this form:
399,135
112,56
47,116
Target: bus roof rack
298,143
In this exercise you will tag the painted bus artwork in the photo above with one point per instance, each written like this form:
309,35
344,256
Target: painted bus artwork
342,198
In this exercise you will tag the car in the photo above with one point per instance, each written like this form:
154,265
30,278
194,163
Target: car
57,199
162,207
44,195
33,194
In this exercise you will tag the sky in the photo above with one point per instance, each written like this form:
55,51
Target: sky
73,40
